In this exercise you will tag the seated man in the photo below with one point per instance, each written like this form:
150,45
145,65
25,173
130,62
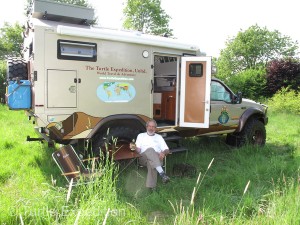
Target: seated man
153,150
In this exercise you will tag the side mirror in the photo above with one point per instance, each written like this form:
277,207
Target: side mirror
238,98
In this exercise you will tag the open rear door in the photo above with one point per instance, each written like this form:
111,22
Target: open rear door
195,92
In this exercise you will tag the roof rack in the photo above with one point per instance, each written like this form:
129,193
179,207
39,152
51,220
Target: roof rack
61,12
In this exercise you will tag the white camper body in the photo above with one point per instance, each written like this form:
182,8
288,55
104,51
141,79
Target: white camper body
127,74
86,84
87,79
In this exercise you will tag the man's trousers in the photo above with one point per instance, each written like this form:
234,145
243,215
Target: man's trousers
150,158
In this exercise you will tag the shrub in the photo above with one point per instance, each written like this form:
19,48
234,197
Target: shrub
283,73
251,82
285,100
2,80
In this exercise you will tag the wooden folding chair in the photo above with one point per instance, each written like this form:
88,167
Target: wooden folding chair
72,166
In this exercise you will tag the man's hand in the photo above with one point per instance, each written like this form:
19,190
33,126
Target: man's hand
132,146
161,155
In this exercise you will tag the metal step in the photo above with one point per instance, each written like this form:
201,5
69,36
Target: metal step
178,149
172,138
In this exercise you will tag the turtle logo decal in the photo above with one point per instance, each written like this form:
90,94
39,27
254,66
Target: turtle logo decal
224,117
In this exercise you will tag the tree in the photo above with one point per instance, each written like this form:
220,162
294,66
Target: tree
146,16
254,48
2,80
283,73
10,40
251,82
10,46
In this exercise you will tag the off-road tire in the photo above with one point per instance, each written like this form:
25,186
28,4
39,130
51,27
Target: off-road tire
114,136
17,69
254,133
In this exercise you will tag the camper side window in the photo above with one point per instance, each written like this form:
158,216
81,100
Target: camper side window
75,50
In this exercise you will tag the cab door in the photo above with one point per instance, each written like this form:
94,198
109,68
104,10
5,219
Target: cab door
195,92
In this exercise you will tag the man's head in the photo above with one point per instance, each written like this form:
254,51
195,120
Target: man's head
151,127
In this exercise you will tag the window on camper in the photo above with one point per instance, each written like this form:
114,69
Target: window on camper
196,70
75,50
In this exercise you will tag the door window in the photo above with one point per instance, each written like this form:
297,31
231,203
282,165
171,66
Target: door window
196,69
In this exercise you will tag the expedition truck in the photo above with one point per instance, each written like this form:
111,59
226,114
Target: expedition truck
85,84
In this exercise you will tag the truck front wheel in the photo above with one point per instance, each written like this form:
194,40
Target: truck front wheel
254,133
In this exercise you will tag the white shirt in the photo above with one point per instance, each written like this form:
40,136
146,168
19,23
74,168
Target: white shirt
156,141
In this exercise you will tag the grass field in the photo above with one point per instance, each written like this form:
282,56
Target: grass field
249,185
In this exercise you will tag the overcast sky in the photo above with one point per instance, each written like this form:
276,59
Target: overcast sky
205,23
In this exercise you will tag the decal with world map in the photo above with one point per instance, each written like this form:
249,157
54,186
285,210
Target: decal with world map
116,92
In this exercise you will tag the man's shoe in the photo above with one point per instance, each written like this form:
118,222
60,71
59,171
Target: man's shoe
165,179
153,189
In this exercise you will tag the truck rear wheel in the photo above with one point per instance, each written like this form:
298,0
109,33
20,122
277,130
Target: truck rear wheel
113,139
17,69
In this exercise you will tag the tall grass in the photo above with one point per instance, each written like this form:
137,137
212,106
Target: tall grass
249,185
222,198
186,214
28,195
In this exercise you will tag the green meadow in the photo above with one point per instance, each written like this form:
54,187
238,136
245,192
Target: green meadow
248,185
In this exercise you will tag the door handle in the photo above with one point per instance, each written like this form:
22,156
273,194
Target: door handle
77,80
169,97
